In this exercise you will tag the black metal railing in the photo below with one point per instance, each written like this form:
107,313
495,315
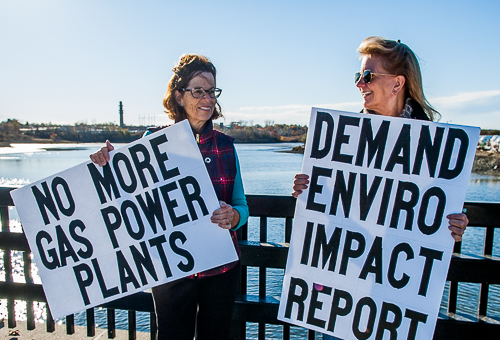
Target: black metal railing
255,304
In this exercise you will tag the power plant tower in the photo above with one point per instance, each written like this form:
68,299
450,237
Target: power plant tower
121,115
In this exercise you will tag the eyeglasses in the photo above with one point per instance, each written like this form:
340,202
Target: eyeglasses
368,76
199,92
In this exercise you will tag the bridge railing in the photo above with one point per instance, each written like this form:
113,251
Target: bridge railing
262,267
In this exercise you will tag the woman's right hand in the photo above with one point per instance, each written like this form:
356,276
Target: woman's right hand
300,183
101,156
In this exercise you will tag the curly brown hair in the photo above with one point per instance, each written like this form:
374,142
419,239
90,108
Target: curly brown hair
188,67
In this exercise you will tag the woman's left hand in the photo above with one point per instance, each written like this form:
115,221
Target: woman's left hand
458,223
224,216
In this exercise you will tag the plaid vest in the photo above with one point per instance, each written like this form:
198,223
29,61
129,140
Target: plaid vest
217,150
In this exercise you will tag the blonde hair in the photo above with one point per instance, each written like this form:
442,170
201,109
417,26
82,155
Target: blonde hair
188,67
399,59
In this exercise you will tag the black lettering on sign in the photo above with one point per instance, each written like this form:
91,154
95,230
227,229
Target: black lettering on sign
152,209
366,198
158,243
145,164
375,145
373,262
384,205
400,248
52,262
424,210
314,304
84,254
189,265
102,284
112,224
384,323
430,256
129,205
430,148
344,192
342,138
192,192
349,251
453,136
106,181
329,249
415,318
171,204
161,157
315,188
370,322
125,271
83,283
338,297
322,117
401,152
65,248
128,188
60,182
304,259
143,260
45,201
401,204
296,298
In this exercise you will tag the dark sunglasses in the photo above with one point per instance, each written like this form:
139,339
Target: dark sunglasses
368,76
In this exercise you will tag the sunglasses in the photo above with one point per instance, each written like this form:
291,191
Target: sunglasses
368,75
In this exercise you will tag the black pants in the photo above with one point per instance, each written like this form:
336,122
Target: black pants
177,303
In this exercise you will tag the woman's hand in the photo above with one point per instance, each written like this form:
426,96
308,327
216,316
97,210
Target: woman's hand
300,183
101,156
225,217
458,223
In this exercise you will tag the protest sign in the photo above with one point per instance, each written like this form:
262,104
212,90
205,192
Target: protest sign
370,246
99,234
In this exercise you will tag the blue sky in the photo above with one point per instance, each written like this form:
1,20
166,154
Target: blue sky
68,61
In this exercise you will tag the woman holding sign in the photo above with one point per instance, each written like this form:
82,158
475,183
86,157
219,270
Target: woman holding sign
203,301
390,83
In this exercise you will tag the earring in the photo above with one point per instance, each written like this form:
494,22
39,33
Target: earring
180,104
394,92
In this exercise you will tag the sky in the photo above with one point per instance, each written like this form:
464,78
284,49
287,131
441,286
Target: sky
69,61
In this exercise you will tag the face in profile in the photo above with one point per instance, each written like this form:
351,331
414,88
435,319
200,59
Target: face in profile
378,93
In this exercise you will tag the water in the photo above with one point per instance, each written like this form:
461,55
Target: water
265,170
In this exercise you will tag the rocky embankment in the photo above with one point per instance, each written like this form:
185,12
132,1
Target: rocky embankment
485,163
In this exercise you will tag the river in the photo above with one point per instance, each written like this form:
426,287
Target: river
265,169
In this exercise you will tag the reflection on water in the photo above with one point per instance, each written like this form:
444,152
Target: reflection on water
265,170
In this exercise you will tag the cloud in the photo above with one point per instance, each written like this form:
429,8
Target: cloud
478,108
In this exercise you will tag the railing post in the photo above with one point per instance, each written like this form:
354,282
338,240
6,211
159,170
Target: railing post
111,323
7,263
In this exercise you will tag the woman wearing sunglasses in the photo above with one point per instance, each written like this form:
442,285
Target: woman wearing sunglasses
390,83
203,302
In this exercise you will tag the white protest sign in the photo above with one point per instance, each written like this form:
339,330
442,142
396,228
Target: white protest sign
99,234
370,246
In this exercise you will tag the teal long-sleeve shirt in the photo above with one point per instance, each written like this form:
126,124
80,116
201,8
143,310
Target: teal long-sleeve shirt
239,201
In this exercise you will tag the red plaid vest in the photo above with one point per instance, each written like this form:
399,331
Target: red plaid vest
217,150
